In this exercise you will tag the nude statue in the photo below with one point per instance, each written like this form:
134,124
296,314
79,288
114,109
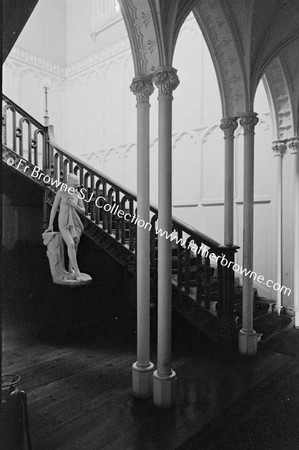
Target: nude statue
69,223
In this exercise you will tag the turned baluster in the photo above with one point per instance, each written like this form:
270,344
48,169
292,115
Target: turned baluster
180,256
132,227
111,201
199,269
207,296
19,136
29,131
187,266
117,222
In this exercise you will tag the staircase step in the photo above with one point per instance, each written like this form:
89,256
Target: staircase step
193,271
269,325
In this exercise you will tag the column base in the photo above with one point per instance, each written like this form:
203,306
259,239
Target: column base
142,380
248,342
278,309
164,390
296,320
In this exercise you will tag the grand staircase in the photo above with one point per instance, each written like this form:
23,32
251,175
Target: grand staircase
204,293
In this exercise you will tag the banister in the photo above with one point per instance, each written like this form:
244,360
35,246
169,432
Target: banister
154,209
176,221
24,113
190,271
50,129
86,165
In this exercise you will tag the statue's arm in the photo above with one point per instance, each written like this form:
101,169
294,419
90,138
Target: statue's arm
78,206
54,210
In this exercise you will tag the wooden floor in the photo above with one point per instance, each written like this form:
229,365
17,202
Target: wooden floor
79,392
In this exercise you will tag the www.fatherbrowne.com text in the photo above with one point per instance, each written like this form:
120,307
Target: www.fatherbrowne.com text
115,209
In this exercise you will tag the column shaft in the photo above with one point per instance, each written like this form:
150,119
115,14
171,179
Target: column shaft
164,245
143,236
142,87
164,377
248,204
229,125
294,147
247,338
279,148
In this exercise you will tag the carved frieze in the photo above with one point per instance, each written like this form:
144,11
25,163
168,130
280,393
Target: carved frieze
281,99
38,61
142,36
225,53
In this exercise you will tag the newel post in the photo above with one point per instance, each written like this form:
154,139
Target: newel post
227,269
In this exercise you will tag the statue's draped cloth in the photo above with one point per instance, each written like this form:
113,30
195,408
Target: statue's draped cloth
55,253
69,219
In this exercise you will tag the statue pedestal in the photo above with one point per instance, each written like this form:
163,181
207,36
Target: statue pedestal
86,279
55,252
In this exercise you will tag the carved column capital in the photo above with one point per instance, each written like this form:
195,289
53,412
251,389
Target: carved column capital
229,126
279,147
248,121
142,87
166,80
293,145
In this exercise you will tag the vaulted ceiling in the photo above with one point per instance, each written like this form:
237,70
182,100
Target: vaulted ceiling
243,36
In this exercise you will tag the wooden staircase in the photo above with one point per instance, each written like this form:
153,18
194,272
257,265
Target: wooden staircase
203,292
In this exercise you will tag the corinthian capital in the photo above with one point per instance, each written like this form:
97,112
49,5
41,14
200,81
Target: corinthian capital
279,147
142,87
229,126
249,121
166,80
293,144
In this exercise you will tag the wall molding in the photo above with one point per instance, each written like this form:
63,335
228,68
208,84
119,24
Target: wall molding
257,199
185,204
109,52
263,199
37,61
212,202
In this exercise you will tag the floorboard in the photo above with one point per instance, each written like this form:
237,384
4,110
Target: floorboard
79,391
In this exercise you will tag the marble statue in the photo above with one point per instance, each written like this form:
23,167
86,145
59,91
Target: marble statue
70,227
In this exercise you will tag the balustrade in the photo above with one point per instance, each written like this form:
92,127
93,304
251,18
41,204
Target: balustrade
194,273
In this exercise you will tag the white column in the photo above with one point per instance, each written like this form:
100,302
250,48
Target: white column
278,148
166,80
229,125
142,370
294,147
247,335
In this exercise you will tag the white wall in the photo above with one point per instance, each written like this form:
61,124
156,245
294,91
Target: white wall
79,42
45,32
23,77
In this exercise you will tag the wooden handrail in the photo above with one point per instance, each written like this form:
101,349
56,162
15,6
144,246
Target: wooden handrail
192,270
85,165
177,222
23,113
